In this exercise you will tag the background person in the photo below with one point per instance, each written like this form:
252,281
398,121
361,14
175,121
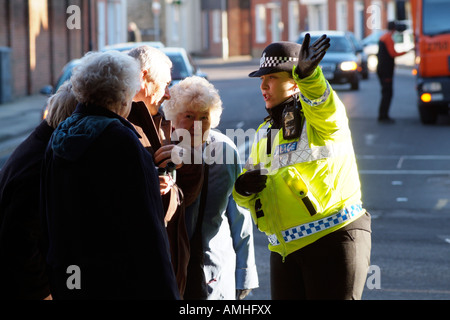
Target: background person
301,181
23,272
385,71
225,229
100,193
134,34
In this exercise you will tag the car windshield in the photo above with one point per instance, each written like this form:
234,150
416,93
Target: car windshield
435,17
179,68
355,42
337,44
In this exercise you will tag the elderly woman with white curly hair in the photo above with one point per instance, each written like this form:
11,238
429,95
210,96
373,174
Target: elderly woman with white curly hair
100,193
223,230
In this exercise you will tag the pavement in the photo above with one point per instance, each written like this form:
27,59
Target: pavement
18,119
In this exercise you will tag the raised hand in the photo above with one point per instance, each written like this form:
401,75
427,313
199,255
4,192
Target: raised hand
310,56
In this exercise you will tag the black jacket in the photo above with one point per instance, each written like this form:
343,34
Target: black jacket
103,208
22,262
386,56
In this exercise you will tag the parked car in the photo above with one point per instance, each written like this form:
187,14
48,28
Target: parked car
125,46
363,67
403,41
65,75
183,66
340,64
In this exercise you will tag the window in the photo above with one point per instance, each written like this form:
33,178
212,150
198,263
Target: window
435,17
260,23
293,20
341,16
374,12
216,26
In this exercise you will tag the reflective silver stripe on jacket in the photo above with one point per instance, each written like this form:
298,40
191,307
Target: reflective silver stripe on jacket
299,152
309,228
316,102
260,134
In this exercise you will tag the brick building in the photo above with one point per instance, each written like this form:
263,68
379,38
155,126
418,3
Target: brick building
43,35
285,19
276,21
226,27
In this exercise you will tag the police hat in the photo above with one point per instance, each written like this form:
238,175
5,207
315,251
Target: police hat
277,57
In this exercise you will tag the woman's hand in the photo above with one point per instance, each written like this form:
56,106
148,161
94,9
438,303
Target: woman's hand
165,184
164,155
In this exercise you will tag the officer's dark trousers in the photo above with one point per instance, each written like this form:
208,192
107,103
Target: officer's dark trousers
333,267
386,97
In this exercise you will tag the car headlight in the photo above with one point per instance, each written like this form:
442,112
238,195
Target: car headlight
348,66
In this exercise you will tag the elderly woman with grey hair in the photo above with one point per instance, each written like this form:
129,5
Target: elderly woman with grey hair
100,194
224,228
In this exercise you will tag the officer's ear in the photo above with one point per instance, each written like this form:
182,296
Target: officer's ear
294,88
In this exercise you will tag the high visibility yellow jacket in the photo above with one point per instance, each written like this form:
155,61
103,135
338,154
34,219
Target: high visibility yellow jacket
313,185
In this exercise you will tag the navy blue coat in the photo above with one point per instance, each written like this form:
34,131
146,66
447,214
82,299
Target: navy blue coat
22,261
103,209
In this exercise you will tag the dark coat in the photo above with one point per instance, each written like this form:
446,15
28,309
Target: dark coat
22,262
104,212
155,131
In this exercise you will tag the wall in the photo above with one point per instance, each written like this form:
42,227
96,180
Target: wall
40,41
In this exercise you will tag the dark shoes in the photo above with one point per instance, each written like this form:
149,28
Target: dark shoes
386,120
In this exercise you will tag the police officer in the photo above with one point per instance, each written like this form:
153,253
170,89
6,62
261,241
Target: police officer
301,182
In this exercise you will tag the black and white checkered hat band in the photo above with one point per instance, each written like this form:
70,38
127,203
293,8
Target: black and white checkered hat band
267,62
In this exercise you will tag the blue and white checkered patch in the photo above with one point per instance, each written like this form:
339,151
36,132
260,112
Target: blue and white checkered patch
307,229
267,62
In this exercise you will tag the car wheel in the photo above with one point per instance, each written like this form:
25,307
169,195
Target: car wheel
355,83
365,72
428,113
